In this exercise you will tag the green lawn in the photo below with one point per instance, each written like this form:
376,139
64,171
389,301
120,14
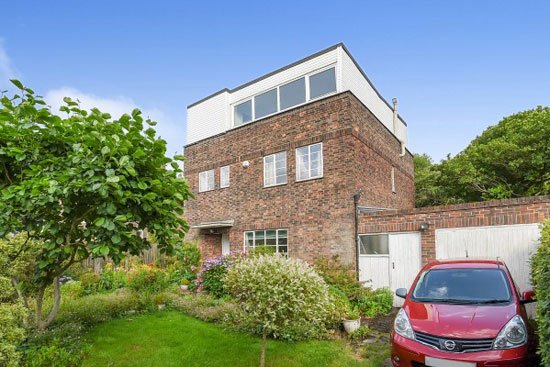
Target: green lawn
174,339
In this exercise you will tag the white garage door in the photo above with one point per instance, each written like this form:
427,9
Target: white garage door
390,260
513,243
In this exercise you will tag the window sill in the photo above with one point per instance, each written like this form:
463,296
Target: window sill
274,185
310,179
202,192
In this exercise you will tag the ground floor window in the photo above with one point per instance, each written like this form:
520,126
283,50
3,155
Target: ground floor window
275,239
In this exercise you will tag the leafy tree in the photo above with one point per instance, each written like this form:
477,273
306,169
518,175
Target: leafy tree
540,275
83,184
510,159
276,292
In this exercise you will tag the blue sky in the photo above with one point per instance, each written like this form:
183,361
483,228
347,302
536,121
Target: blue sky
455,66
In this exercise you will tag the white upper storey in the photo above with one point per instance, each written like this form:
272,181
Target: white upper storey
328,72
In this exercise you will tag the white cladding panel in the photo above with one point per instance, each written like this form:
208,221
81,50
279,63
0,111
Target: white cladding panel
287,75
208,118
354,81
513,243
374,271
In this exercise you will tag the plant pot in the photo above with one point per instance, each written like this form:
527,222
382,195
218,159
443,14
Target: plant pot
351,325
161,306
184,287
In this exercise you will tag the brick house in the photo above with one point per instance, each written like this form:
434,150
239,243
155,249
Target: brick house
277,161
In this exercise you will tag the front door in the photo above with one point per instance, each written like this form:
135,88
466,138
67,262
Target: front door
225,244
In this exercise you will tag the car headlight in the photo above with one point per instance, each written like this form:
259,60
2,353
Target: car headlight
402,325
512,335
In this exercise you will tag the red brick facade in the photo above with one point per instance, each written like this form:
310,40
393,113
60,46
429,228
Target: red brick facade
488,213
358,153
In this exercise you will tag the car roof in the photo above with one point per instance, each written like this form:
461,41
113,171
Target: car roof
466,263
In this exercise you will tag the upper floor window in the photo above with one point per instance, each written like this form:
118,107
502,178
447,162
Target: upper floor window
293,93
206,181
272,239
275,169
265,103
243,113
322,83
309,162
224,176
285,96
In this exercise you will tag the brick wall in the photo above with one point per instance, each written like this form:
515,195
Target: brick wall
358,153
488,213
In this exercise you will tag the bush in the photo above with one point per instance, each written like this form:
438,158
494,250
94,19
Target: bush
54,355
12,333
96,308
112,278
212,274
147,278
281,294
204,307
375,303
540,274
90,282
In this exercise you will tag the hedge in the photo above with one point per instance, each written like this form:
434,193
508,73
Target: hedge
540,274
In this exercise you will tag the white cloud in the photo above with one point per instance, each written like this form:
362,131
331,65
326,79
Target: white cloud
167,128
7,70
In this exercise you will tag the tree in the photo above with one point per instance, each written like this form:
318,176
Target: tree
426,175
83,184
276,292
510,159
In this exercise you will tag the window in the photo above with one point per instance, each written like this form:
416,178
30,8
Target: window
275,169
273,239
206,181
243,113
463,285
293,93
374,244
224,176
393,179
265,104
309,162
322,83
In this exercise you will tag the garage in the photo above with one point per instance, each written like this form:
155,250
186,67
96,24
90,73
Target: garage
514,244
390,260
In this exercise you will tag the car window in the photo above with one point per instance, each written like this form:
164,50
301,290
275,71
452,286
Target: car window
462,286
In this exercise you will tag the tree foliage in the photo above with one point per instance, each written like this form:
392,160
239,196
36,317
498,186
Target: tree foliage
510,159
84,183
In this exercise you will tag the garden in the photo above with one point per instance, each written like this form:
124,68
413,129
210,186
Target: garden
241,308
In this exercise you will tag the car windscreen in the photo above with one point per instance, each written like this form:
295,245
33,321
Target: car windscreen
464,285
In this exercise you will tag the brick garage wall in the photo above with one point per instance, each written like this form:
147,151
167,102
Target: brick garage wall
319,213
488,213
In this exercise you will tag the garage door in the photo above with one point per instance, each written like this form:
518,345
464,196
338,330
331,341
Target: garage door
389,260
514,244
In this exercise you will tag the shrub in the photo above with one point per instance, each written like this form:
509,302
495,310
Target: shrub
54,354
72,289
90,281
147,278
360,334
203,306
112,278
278,294
212,274
375,303
96,308
339,275
12,333
540,274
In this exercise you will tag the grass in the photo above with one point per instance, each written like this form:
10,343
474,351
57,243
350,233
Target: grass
166,339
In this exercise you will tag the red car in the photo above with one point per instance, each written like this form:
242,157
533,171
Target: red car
463,313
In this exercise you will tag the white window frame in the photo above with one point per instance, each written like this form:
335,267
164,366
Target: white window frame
275,169
306,100
322,95
205,174
298,179
222,183
265,236
393,179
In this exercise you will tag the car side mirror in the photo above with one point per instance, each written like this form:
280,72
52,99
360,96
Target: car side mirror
528,297
401,292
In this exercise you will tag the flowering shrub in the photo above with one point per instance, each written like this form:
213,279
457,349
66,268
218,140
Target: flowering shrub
147,277
210,278
112,277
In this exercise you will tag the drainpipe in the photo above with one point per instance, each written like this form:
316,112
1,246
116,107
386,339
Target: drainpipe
356,198
396,126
